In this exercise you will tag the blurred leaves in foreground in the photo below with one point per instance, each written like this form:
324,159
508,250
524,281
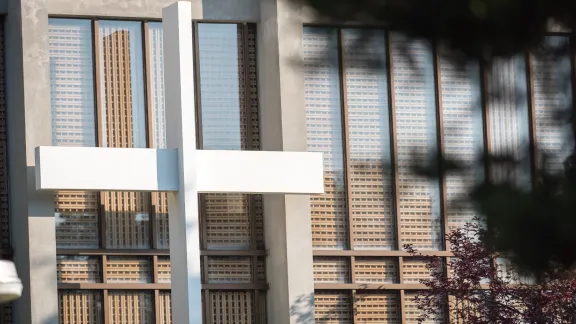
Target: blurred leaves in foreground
534,222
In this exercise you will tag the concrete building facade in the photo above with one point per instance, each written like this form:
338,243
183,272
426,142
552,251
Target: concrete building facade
269,76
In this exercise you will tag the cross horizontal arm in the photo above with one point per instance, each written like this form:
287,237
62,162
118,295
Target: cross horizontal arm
106,169
129,169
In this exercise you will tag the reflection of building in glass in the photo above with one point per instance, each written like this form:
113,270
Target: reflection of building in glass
72,101
126,213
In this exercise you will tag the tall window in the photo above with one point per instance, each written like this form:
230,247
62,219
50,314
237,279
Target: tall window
374,112
108,91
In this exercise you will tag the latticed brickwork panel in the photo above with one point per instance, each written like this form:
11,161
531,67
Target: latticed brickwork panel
81,307
331,269
127,219
160,209
164,270
377,307
229,270
232,307
412,313
131,307
414,270
332,307
76,219
227,221
79,269
376,270
165,311
128,269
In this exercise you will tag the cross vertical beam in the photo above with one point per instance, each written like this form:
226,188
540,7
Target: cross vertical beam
181,135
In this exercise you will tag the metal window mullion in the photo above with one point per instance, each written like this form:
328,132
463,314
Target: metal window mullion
485,94
98,122
402,307
440,143
148,121
393,142
106,306
345,134
157,306
533,145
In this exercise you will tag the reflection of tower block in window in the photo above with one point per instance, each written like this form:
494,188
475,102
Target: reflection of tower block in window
126,213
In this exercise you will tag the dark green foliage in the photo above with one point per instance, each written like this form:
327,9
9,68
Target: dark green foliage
536,227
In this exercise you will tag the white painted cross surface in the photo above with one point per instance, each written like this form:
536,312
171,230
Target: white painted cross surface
181,169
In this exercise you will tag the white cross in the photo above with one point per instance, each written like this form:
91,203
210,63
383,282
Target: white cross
182,170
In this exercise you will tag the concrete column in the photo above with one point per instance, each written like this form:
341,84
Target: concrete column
287,221
28,109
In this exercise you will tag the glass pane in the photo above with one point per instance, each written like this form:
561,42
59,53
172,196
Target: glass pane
369,133
324,124
553,94
223,117
378,307
122,84
224,127
508,117
416,136
73,124
463,135
331,307
123,125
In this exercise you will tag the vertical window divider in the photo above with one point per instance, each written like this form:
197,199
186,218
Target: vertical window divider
393,144
345,133
485,102
402,307
440,141
157,305
440,148
199,143
98,117
393,167
533,145
104,261
149,130
106,306
346,156
155,278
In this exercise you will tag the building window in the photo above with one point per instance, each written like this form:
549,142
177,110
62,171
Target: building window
374,112
108,91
